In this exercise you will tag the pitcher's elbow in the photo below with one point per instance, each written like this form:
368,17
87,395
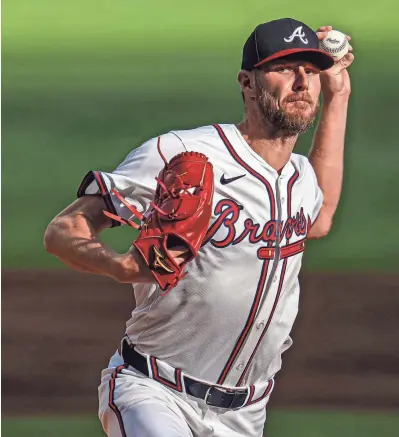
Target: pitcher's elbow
322,232
50,237
320,229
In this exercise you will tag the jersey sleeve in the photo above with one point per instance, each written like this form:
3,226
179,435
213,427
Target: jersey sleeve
318,195
134,178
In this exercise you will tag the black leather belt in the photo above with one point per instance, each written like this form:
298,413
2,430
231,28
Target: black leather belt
212,395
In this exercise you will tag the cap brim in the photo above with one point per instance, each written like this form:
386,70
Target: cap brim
317,57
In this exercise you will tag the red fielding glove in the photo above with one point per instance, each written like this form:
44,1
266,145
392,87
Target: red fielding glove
179,215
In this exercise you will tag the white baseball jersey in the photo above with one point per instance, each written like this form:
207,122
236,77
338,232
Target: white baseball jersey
228,321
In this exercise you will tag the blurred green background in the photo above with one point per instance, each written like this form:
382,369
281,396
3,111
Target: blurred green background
86,81
280,424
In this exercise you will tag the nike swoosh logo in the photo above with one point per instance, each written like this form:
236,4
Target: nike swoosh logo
225,181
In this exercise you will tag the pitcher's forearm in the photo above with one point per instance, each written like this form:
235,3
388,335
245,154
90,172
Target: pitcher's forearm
73,237
75,242
327,152
78,267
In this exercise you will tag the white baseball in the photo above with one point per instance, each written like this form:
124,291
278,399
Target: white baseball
335,44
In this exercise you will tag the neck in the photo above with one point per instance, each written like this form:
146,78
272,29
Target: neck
271,145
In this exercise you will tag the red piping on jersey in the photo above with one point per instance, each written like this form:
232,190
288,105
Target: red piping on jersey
290,249
290,184
106,196
262,279
251,394
248,324
280,286
176,386
234,154
264,394
111,402
100,183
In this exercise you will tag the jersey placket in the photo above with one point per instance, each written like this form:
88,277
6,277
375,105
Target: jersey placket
271,293
282,265
264,279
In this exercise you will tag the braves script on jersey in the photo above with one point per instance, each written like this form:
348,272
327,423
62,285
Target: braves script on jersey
228,321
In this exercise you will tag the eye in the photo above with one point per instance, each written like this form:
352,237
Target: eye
284,70
311,71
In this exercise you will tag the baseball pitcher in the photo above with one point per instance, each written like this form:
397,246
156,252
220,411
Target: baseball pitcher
224,213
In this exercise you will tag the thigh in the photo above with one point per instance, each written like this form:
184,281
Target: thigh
137,408
145,419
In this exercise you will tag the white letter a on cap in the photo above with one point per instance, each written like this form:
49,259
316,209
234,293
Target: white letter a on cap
298,33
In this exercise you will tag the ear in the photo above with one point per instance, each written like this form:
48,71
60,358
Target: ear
246,81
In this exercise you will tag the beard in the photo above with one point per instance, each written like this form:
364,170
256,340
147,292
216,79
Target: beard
289,118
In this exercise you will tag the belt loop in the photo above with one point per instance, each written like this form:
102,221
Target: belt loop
183,385
120,349
207,394
150,371
251,390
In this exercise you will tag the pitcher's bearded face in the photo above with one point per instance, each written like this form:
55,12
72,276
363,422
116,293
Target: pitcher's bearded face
292,113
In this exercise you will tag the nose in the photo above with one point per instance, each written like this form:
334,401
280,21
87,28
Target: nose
301,82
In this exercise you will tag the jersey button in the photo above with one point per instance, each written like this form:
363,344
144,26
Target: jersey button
260,325
274,278
282,199
240,366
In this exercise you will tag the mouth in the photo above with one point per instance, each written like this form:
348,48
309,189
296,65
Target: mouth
301,101
299,105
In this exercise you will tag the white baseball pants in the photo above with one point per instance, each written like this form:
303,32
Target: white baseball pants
133,405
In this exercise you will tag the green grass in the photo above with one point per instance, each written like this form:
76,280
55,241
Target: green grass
331,424
280,424
92,23
85,82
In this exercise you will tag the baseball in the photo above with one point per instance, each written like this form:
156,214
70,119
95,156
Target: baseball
336,44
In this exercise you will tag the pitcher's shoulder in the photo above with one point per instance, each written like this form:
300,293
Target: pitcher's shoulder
173,142
301,163
202,134
304,167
